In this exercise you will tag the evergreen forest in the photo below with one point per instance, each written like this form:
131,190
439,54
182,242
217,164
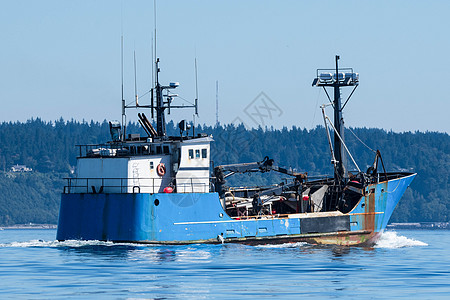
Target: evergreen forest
49,149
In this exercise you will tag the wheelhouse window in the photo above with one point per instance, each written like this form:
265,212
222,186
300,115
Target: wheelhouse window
204,153
191,154
166,149
197,153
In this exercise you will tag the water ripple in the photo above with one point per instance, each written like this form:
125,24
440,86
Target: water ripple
404,264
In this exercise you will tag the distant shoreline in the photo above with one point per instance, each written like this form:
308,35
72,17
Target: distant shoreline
30,226
419,225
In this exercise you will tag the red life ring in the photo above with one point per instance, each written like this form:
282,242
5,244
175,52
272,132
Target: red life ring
161,169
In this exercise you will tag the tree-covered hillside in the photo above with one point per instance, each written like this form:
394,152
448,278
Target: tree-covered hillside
49,149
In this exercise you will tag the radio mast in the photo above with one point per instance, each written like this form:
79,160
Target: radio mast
217,103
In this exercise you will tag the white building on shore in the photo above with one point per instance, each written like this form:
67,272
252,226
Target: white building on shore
20,168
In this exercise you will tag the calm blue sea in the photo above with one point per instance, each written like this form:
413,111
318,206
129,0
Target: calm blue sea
411,264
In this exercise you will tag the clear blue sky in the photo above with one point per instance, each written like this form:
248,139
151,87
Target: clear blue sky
62,58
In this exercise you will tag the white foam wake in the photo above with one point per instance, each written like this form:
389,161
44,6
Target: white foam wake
285,245
56,244
390,239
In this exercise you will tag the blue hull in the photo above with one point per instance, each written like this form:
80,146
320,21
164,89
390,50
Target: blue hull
199,218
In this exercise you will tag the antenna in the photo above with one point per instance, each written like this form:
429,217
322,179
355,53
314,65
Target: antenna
135,80
155,69
217,103
124,116
196,89
154,16
158,104
193,125
153,80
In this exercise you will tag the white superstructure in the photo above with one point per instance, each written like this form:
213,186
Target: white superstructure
145,167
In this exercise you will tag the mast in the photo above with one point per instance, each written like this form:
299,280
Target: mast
339,125
163,100
124,116
160,116
337,78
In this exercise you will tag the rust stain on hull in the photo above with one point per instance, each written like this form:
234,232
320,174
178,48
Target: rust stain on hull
369,216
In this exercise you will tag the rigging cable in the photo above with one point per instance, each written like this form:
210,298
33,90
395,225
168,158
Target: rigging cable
361,140
185,100
315,110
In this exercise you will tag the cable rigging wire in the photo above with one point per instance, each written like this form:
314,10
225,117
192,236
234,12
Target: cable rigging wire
361,140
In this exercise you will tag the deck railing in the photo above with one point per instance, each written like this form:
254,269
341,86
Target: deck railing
136,185
120,149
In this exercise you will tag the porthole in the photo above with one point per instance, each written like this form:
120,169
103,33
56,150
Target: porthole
156,202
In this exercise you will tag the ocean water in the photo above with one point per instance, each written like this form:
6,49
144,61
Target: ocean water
412,264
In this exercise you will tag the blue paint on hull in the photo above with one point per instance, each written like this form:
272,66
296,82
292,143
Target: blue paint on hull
199,217
384,199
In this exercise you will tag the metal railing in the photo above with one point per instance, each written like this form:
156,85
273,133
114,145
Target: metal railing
131,148
136,185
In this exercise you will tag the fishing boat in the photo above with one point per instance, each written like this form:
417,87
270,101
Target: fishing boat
160,189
